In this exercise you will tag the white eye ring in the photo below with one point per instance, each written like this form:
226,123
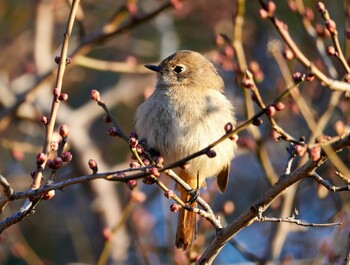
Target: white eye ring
179,68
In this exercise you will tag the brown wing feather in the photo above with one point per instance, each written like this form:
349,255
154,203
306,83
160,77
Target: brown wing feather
222,178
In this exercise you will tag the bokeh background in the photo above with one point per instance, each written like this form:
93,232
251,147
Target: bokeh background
73,227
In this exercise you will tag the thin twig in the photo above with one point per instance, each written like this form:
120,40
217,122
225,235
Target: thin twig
328,184
292,220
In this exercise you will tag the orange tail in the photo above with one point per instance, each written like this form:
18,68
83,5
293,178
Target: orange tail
186,225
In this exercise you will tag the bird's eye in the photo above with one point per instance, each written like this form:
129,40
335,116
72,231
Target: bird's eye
179,68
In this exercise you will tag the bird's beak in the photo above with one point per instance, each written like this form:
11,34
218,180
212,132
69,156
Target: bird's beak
155,68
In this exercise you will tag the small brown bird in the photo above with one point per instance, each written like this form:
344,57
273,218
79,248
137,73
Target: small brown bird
187,112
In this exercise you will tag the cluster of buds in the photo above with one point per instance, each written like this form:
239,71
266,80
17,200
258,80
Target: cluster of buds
133,141
59,96
273,108
330,24
268,10
55,163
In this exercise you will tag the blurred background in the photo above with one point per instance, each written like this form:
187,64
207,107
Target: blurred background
74,226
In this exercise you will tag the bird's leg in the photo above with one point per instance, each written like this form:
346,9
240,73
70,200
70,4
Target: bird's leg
193,193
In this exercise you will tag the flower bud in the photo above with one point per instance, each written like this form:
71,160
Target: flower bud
280,106
159,161
298,77
64,130
113,131
63,97
271,7
93,166
331,26
146,162
132,183
50,163
57,59
68,60
309,77
234,138
211,153
107,234
247,83
66,157
186,166
315,153
320,7
270,110
347,78
49,195
55,93
288,54
133,142
228,127
44,120
57,162
106,119
134,164
40,158
169,194
331,51
299,150
175,207
263,13
257,122
95,95
154,171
